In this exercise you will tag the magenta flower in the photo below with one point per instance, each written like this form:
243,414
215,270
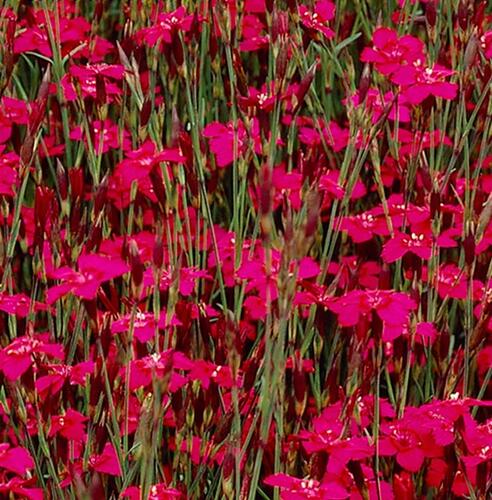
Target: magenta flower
17,357
318,19
390,53
166,27
15,459
228,144
107,462
419,82
418,244
144,325
392,307
71,425
94,270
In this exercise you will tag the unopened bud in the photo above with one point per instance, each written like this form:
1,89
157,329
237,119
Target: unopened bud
304,86
365,82
471,51
137,267
469,248
435,203
265,190
431,13
61,180
312,217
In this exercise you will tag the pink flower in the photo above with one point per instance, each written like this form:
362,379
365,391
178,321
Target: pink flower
157,492
53,382
105,135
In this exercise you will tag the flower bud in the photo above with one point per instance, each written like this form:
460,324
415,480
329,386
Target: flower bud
137,267
435,203
158,186
280,25
100,90
469,248
100,198
76,183
471,51
312,217
61,180
463,14
265,190
145,112
304,86
365,82
431,13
